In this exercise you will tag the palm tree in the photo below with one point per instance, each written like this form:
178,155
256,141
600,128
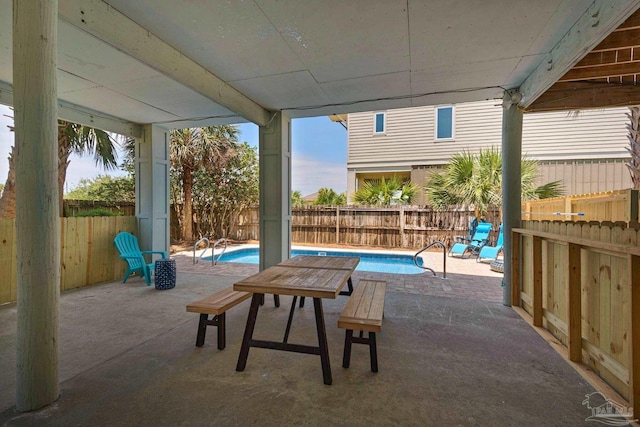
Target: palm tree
72,138
633,128
328,197
81,140
386,191
470,179
193,149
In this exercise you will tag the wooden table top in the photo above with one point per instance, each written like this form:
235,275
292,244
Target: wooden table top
309,282
328,262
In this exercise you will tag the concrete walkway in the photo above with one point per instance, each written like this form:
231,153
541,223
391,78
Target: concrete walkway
449,354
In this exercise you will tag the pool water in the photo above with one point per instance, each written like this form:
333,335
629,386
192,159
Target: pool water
380,263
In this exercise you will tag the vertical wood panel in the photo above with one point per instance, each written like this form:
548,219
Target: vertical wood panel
516,285
7,261
537,281
634,279
574,303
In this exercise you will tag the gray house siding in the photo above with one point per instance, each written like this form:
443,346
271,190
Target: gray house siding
585,150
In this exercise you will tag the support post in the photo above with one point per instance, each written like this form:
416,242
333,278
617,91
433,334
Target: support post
275,190
37,211
511,180
152,188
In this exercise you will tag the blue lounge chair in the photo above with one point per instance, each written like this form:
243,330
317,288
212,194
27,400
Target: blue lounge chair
127,245
473,245
491,252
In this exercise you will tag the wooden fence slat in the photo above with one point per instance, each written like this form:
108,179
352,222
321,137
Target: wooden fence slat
7,261
537,281
574,325
634,279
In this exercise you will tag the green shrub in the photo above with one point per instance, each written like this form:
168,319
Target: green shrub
97,212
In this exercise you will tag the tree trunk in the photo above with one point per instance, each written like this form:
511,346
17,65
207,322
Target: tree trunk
187,223
634,145
8,199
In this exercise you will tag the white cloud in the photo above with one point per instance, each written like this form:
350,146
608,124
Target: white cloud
308,175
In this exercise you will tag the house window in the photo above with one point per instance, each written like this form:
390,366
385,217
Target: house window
445,120
379,123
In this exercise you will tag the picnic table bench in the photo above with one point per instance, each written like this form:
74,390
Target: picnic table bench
216,304
363,312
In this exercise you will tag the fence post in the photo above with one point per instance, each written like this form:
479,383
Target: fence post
537,281
568,206
402,224
337,224
515,268
574,316
632,209
634,282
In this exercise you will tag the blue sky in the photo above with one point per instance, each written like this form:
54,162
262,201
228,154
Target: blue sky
319,154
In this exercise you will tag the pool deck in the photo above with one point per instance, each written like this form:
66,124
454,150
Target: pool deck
449,354
466,278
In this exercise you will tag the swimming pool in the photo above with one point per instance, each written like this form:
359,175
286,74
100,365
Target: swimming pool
380,263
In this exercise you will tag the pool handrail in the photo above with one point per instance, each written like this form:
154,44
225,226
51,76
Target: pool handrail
444,258
213,247
214,261
195,247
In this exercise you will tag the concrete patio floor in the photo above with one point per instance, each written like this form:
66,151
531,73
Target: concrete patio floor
449,354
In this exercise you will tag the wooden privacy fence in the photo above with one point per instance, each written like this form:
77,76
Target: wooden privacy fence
620,205
398,227
581,282
87,252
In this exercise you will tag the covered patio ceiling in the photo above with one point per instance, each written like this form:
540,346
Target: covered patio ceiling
606,77
186,63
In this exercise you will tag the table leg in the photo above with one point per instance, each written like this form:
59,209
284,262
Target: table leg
349,287
288,329
248,331
322,341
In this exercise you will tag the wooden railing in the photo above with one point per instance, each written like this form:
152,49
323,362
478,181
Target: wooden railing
87,252
581,282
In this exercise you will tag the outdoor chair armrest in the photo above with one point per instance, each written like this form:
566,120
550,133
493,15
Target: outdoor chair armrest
163,253
461,239
131,255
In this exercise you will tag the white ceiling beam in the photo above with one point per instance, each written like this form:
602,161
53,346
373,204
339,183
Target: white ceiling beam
107,24
84,116
602,17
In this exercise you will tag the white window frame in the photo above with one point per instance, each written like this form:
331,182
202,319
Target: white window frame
384,123
453,123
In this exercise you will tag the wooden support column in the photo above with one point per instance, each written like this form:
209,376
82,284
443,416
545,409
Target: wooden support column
37,214
152,189
574,323
634,347
511,180
275,190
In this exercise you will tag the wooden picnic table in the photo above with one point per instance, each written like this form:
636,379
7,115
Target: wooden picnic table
315,277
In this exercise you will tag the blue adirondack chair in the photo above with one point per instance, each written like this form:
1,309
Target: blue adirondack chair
473,245
491,252
127,245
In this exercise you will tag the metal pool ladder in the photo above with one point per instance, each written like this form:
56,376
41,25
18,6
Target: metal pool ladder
444,258
214,261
